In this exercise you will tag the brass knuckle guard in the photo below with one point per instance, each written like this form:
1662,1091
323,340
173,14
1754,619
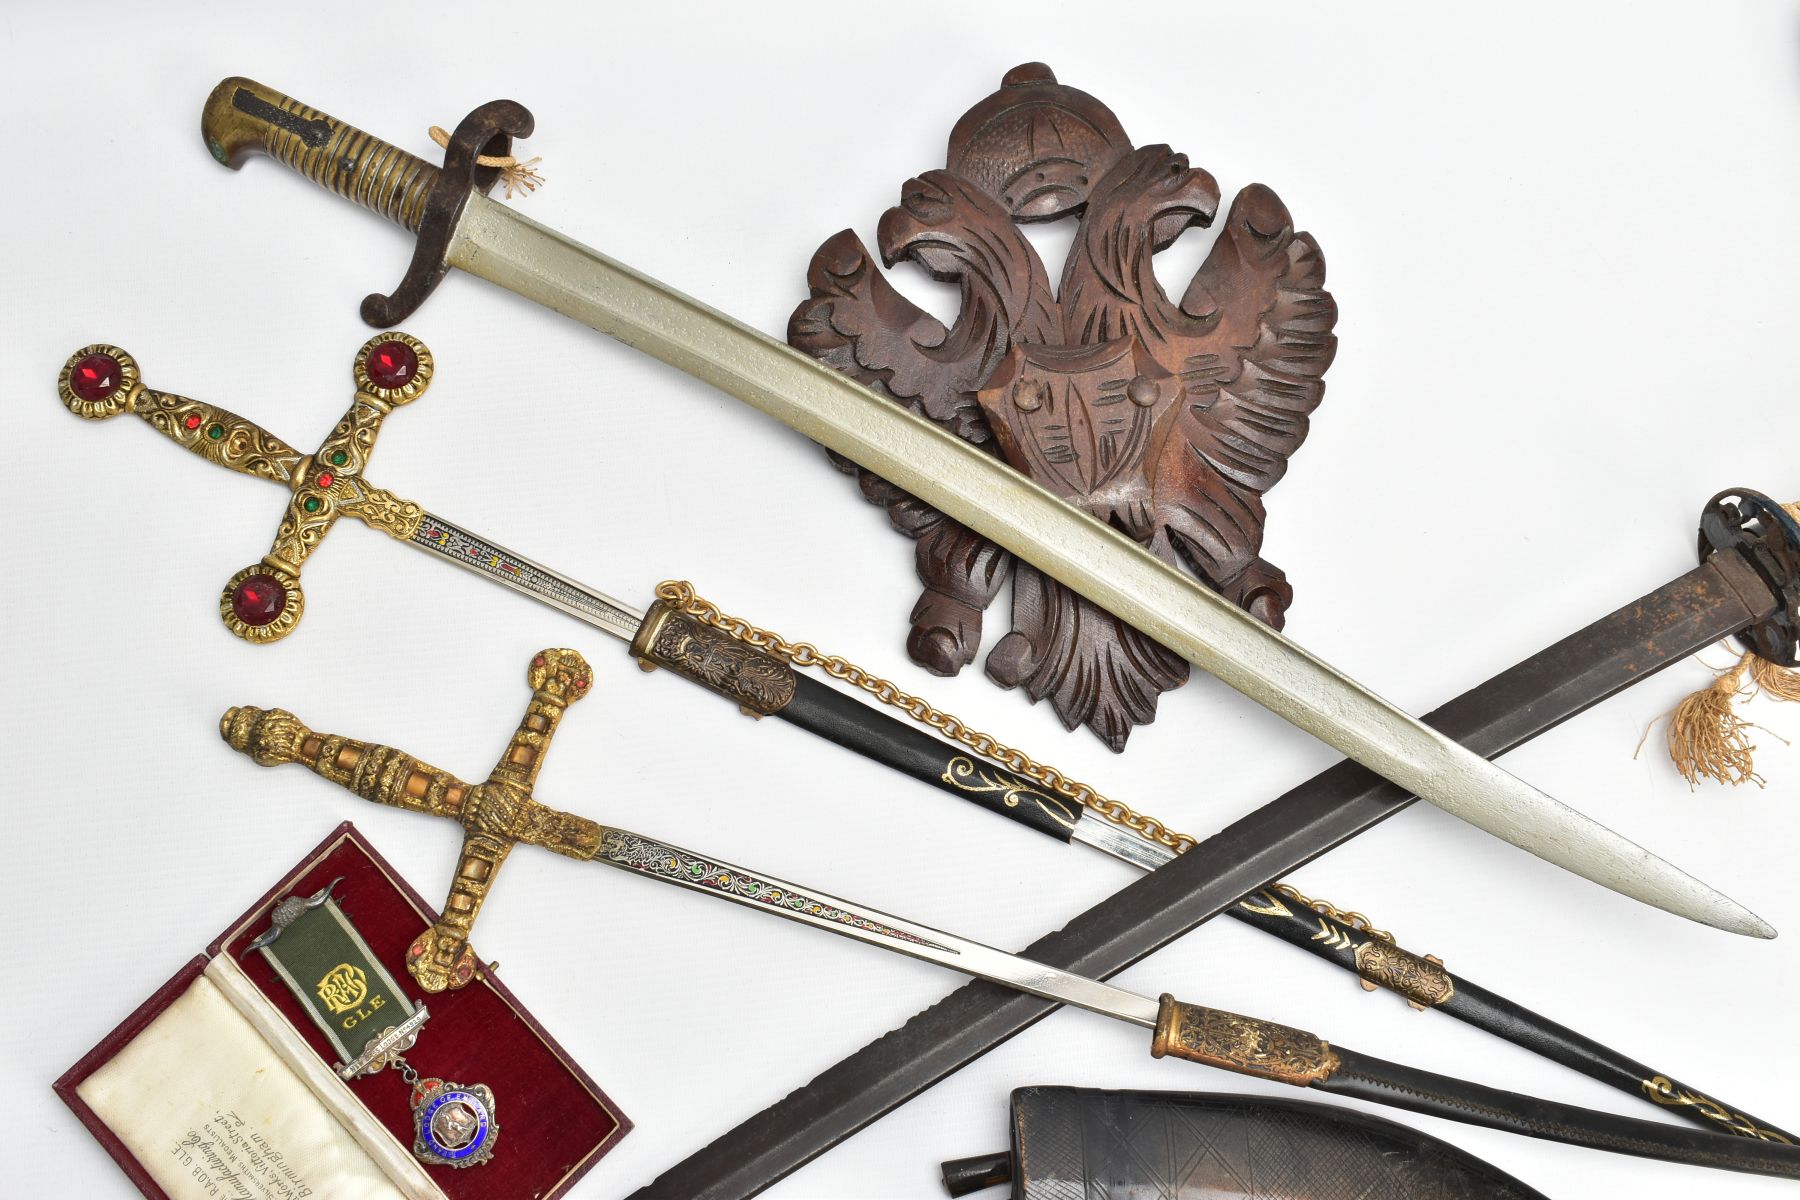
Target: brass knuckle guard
1244,1045
243,117
496,815
754,679
324,485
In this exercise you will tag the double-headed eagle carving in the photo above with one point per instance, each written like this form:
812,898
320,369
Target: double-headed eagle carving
1166,418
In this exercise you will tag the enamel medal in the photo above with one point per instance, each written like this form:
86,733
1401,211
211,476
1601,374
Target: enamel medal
453,1123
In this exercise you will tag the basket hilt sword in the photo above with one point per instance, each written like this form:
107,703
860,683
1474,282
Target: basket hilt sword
393,368
1237,1043
458,226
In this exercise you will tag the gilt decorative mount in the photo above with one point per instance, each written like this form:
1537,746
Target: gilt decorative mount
1167,419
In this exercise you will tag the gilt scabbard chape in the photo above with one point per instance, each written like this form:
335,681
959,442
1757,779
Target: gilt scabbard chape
715,660
1244,1045
1666,1092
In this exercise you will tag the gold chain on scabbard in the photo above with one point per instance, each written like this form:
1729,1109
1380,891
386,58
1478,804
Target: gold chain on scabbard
804,654
1354,920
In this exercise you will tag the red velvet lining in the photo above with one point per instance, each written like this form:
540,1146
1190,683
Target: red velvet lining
555,1123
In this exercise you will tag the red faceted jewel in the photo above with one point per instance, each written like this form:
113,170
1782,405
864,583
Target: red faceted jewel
193,421
392,365
258,599
95,377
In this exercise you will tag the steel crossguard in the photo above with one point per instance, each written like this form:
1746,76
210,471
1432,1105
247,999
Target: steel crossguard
495,815
263,602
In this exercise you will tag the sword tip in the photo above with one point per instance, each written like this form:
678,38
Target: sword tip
1727,914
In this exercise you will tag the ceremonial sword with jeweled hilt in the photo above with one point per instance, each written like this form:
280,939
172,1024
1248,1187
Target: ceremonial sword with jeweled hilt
263,602
458,226
502,813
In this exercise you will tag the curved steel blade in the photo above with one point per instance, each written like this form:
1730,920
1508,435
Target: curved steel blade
1098,562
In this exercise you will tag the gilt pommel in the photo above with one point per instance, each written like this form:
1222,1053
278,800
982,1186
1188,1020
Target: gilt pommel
270,736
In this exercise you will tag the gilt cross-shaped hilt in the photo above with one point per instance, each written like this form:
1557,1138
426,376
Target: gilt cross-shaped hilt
263,602
496,815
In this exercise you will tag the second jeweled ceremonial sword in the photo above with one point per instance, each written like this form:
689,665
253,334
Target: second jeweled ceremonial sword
502,812
459,226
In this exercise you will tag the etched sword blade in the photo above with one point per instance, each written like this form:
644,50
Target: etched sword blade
809,906
1072,547
492,561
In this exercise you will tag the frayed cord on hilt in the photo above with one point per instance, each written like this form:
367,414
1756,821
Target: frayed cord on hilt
1708,739
518,176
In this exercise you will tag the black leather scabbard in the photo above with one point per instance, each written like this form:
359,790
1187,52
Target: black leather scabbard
1725,595
1368,1078
909,749
1425,982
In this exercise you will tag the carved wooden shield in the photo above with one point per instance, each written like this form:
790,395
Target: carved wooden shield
1168,419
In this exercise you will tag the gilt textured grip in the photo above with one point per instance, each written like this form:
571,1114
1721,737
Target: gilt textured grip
1245,1045
378,773
243,117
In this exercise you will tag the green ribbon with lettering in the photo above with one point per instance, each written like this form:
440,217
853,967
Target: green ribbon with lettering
329,967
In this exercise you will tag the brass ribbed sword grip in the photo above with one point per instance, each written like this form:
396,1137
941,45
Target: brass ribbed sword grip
243,117
380,774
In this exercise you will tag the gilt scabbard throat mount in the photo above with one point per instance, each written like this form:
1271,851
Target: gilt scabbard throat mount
371,1022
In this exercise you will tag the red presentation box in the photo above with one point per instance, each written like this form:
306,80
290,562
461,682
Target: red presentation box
555,1122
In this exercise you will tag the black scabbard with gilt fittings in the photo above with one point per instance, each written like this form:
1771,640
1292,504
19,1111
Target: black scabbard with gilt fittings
1282,1054
764,685
1747,586
1424,982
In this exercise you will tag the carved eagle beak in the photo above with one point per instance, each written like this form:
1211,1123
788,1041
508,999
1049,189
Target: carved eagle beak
1194,202
918,228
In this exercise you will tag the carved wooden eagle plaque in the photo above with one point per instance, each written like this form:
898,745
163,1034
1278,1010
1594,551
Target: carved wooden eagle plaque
1167,419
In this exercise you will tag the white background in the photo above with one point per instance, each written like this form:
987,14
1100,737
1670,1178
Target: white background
1563,241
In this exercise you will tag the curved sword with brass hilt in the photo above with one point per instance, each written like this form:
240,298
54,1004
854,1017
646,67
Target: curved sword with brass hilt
242,118
502,813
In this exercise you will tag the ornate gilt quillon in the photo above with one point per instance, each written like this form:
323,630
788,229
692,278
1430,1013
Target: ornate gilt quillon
263,602
496,815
